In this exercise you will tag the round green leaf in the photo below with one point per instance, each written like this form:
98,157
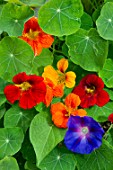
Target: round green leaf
59,159
87,49
105,22
16,116
15,56
100,159
13,17
44,135
9,163
33,3
100,114
107,73
62,16
86,21
10,141
44,59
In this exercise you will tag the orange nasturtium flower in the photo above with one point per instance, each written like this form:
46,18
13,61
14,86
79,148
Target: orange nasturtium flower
61,112
56,80
35,36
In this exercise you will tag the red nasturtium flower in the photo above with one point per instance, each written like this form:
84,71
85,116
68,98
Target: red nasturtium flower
61,112
90,90
110,117
28,89
56,80
35,36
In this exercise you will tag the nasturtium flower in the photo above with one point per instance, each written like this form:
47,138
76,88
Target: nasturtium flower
28,89
84,134
52,91
90,90
61,112
56,80
35,36
110,117
59,76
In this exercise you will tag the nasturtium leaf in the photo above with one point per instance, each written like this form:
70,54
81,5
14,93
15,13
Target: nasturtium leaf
44,59
100,114
105,21
44,135
87,49
59,159
2,111
62,16
107,73
86,21
15,56
30,166
100,159
33,3
26,147
110,92
10,141
109,136
13,17
16,116
9,163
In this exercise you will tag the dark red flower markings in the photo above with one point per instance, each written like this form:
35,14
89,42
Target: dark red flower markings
90,90
28,89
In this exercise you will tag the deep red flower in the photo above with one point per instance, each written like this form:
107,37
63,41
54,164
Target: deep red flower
28,89
110,117
35,36
90,90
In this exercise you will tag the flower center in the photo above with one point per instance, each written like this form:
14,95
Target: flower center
90,89
61,78
85,130
24,86
32,34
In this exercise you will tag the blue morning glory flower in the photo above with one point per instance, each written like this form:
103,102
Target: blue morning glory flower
84,134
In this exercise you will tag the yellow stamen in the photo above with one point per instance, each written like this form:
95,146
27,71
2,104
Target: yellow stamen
90,89
23,86
61,78
32,34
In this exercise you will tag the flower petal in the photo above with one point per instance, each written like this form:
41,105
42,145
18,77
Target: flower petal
12,93
72,100
110,117
59,117
62,65
50,73
70,79
79,112
20,78
102,98
82,142
46,40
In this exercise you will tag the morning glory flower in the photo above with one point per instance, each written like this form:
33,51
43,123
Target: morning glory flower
84,134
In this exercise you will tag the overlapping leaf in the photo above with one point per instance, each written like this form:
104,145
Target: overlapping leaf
107,73
16,57
13,17
105,21
44,135
59,159
33,3
101,114
10,141
62,16
100,159
87,49
9,163
16,116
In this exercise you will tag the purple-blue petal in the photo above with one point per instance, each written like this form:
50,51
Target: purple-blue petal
77,141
